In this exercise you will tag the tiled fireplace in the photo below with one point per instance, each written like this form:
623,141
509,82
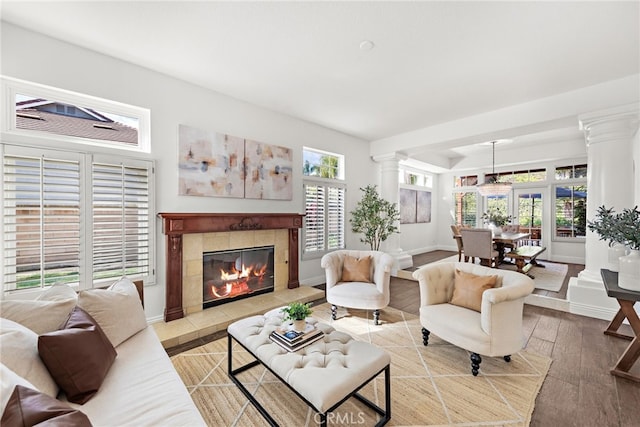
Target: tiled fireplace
191,237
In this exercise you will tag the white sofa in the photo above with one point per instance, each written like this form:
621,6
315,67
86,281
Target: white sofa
141,387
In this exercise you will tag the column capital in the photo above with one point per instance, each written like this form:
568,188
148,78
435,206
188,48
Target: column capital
395,156
610,125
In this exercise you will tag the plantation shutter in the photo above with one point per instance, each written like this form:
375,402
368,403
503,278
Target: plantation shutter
121,219
41,218
314,218
335,218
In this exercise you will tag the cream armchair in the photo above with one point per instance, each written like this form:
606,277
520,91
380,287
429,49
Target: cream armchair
494,331
373,295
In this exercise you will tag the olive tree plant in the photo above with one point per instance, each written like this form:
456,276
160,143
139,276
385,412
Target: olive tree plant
374,217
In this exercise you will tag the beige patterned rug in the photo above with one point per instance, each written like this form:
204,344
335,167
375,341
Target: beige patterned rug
430,386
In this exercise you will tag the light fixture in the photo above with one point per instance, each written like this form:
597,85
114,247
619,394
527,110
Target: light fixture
494,188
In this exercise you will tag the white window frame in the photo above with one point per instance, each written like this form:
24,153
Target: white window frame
11,87
337,183
327,184
86,160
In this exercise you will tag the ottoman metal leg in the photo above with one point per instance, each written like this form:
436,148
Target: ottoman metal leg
425,336
376,317
334,312
475,363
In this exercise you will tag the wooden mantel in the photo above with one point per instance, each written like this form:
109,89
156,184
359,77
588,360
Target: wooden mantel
174,225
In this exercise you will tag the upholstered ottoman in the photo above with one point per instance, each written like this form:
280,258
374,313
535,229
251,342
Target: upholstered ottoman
324,374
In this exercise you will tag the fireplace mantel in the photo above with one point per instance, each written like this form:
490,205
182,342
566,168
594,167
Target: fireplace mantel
174,225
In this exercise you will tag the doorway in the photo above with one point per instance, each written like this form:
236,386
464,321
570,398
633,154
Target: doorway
528,213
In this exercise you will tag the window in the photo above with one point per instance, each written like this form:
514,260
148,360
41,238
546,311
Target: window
412,177
465,208
571,210
521,176
46,114
571,172
71,212
67,215
324,196
466,181
322,164
497,203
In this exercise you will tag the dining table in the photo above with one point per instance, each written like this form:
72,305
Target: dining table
502,240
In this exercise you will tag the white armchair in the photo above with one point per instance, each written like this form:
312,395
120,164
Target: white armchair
373,295
494,331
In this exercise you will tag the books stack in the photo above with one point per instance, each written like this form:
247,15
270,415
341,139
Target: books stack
292,340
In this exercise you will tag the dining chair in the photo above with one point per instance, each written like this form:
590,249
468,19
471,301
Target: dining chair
478,242
458,238
512,229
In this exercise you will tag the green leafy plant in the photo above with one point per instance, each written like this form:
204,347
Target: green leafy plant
297,311
374,217
623,227
496,217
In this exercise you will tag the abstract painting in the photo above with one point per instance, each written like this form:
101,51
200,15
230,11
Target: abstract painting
268,171
415,206
220,165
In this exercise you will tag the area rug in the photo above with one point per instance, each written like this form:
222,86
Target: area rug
549,278
430,386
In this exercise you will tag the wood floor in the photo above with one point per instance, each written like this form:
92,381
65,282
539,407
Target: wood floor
579,390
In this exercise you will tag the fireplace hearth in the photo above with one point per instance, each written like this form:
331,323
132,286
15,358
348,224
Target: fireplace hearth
230,275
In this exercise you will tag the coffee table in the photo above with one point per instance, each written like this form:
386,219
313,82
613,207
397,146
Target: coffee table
323,374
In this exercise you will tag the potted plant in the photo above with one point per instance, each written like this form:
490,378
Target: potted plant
298,313
374,217
495,219
624,229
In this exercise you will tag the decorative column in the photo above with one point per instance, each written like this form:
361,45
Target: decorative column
389,185
610,181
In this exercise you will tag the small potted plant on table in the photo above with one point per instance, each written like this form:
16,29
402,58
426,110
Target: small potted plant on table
298,313
495,219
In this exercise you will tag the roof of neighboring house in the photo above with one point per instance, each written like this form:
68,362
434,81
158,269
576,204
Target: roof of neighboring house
108,130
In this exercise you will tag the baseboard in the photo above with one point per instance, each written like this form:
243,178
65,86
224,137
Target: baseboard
592,311
548,302
418,251
313,281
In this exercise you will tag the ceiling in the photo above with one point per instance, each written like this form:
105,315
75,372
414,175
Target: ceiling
431,62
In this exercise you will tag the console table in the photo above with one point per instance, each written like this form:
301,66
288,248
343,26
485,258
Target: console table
626,298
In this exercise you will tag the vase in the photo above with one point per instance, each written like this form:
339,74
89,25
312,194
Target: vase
629,275
300,325
615,252
495,229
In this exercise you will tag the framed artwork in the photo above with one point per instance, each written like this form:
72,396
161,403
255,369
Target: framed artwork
407,206
268,171
213,164
423,206
415,206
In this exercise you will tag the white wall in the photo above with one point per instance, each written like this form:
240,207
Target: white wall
30,56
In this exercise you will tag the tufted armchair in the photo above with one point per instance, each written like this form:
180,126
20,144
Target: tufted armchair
494,331
372,295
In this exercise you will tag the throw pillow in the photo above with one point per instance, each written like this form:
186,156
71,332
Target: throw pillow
356,270
19,353
118,310
44,314
468,289
28,407
8,381
78,356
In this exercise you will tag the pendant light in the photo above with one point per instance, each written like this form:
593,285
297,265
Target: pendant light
494,188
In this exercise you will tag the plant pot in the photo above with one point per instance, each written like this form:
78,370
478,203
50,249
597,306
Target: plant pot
629,275
615,252
300,325
495,229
